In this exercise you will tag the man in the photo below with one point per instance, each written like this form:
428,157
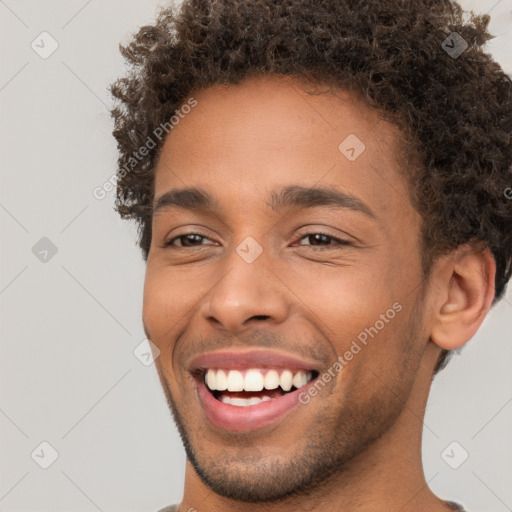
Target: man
322,191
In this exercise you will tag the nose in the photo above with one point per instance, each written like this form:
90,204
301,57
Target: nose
246,293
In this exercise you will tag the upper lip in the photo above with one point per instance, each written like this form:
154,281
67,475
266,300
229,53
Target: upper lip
250,358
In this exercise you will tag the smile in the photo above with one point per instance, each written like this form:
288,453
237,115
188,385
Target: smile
250,390
251,387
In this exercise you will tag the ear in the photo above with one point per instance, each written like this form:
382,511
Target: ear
464,294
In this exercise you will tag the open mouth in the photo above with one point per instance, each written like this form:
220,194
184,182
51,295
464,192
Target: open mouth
247,387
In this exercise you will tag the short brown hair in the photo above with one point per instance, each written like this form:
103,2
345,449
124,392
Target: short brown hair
455,112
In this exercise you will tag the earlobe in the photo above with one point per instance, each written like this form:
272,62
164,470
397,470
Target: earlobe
465,291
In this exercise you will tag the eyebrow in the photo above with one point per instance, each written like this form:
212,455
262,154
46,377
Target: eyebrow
294,196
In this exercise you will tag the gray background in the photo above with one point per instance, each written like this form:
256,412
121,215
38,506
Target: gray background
70,324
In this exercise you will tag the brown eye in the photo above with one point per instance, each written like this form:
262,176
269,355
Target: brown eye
186,240
322,240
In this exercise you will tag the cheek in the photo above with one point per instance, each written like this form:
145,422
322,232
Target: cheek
171,298
162,309
168,296
159,309
359,310
346,296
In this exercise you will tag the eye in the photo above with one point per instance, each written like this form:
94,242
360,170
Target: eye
186,239
319,239
315,239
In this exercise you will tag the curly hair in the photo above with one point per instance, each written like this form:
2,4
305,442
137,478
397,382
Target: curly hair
455,112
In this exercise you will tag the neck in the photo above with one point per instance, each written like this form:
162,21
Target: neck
387,476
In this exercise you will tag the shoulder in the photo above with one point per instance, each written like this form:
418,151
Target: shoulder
171,508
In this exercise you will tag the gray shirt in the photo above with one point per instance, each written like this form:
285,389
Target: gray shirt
451,504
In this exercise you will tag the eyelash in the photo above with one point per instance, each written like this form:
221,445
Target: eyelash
340,241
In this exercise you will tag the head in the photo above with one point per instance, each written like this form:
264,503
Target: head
320,179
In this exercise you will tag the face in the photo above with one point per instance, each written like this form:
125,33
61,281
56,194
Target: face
298,285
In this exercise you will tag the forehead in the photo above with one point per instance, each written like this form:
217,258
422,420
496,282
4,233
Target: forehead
267,132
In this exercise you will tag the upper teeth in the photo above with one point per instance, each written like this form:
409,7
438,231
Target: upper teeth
255,380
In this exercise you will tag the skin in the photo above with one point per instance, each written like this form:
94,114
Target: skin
356,446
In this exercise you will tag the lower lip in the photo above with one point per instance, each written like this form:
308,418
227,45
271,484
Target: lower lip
251,417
